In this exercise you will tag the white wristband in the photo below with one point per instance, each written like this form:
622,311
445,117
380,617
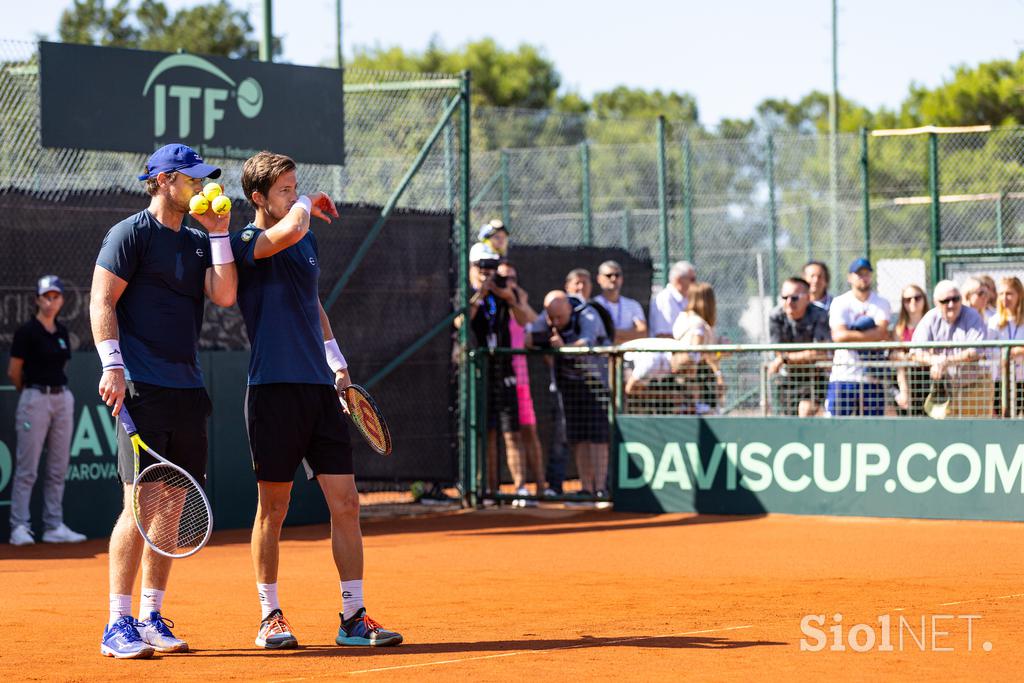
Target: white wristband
334,358
220,250
304,202
110,354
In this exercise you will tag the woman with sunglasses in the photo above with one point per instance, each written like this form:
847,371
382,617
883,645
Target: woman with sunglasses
1008,323
912,382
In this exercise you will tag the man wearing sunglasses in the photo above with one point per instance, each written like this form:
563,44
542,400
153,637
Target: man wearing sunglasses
801,385
968,384
627,314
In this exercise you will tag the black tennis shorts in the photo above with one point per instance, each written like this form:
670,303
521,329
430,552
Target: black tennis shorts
289,424
170,421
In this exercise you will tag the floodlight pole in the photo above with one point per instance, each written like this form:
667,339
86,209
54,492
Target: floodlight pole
267,42
340,58
833,152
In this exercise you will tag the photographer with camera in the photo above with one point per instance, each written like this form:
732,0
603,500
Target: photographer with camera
582,382
490,309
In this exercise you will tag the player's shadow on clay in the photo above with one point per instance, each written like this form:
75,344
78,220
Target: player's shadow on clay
504,646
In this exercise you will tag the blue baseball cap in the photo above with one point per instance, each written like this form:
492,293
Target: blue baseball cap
49,283
180,158
861,263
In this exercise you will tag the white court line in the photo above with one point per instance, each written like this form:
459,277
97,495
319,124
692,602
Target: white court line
998,597
546,650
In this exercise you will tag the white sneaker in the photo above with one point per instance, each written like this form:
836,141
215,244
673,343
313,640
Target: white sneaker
21,535
523,503
62,534
156,631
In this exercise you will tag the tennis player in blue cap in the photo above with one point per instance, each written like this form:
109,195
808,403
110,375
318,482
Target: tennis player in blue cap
146,306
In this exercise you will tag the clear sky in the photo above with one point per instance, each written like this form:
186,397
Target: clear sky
731,54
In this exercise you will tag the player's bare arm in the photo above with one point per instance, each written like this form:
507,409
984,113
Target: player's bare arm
107,289
342,378
295,224
221,283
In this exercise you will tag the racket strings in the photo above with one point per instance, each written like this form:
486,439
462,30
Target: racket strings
172,510
366,420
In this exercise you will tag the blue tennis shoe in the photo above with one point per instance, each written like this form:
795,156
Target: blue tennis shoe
156,631
122,640
362,630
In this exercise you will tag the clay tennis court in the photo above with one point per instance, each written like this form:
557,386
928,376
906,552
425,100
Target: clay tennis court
556,594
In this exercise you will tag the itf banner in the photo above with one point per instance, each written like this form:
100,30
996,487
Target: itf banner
136,101
952,469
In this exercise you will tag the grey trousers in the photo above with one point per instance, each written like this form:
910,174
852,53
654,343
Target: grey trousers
42,419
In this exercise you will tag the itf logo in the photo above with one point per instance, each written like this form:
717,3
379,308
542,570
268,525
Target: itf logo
248,96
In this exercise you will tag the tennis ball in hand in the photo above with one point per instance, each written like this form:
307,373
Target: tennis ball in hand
221,205
212,191
198,204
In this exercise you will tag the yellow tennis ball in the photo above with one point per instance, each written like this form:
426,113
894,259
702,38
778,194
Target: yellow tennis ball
198,204
212,191
221,205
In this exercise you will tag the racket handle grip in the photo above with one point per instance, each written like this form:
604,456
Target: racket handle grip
126,422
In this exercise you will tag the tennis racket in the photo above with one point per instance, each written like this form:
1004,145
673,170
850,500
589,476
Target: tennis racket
367,418
170,508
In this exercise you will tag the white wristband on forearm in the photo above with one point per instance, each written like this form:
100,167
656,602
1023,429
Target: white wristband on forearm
110,354
304,202
334,357
220,250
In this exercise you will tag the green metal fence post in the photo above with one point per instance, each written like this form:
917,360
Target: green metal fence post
933,189
663,197
588,239
449,166
688,196
773,278
468,452
506,211
864,178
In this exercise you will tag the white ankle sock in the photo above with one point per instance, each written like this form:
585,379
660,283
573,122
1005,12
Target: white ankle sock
120,606
268,598
152,600
351,597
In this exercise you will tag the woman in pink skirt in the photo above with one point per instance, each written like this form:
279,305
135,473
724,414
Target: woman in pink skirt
527,417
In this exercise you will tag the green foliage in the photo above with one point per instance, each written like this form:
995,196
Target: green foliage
989,93
211,29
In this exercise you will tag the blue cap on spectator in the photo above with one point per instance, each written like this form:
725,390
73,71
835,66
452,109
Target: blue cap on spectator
178,158
861,263
49,283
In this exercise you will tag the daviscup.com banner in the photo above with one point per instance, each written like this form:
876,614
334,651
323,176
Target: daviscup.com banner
951,469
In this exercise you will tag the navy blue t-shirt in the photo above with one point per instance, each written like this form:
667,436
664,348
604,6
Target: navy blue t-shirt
280,303
160,313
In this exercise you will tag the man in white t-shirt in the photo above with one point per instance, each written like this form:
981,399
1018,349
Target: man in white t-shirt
627,314
672,300
859,315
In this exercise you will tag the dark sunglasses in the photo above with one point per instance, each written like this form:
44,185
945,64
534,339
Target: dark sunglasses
916,297
791,297
950,300
612,274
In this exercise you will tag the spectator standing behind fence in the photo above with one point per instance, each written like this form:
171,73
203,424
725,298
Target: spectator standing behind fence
957,377
671,301
817,276
1008,324
911,382
627,314
490,309
527,418
44,416
801,385
859,315
704,387
976,295
582,384
990,287
495,235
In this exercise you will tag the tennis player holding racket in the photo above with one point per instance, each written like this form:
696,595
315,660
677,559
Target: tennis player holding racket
146,307
296,372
